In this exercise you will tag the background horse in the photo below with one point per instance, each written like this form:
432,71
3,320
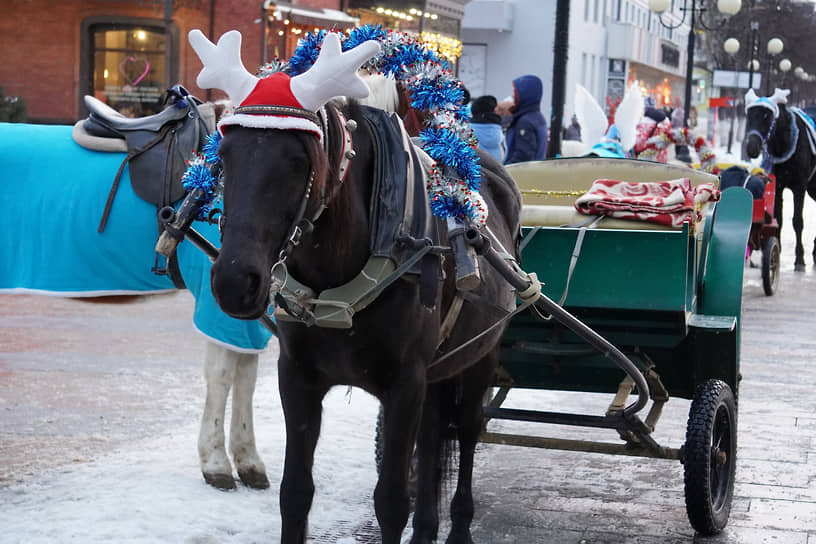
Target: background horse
53,195
309,215
786,138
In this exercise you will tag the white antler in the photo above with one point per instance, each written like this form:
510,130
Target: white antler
750,98
334,73
223,68
780,96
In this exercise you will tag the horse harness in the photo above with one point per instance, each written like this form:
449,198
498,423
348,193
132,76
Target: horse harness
402,229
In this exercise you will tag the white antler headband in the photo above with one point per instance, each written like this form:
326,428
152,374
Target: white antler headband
772,102
279,101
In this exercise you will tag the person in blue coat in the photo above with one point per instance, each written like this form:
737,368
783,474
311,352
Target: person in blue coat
486,125
527,134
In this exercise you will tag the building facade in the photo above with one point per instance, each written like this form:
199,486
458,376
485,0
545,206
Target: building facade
612,43
128,52
125,52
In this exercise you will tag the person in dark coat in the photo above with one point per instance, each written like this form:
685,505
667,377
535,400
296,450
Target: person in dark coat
486,125
527,134
573,131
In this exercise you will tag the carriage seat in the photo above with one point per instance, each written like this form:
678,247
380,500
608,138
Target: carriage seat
542,215
549,188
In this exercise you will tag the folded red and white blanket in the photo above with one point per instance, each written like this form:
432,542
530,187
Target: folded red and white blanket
669,203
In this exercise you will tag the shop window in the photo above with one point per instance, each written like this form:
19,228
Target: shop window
128,65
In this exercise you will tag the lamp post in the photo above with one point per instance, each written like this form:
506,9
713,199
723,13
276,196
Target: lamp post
728,7
731,46
775,46
785,66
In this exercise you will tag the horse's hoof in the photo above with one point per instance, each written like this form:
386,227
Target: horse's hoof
254,479
799,267
224,482
459,537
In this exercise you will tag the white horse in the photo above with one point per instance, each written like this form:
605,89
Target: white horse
54,192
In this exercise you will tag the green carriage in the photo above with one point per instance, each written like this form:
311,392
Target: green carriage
668,298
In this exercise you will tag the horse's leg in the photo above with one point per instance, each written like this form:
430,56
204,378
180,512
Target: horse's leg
798,225
469,423
812,192
302,409
429,468
219,372
402,409
248,463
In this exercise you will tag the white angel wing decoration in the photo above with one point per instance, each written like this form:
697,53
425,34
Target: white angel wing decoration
628,115
590,116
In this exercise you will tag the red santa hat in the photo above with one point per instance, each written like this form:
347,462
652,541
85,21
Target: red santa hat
279,101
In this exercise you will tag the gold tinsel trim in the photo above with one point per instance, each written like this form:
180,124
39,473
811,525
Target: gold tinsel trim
538,192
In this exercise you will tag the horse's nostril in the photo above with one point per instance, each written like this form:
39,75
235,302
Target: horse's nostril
253,285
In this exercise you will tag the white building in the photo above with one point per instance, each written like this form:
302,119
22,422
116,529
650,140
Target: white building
611,44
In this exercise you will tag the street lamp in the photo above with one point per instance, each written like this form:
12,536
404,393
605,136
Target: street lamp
775,46
727,7
785,66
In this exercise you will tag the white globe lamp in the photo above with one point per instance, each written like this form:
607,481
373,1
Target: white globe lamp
731,46
729,7
775,46
659,6
785,65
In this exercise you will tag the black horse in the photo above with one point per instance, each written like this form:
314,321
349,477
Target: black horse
274,179
782,134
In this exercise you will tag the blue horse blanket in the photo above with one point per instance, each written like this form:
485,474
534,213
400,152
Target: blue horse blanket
52,194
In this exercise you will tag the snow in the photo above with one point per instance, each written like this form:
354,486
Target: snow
153,491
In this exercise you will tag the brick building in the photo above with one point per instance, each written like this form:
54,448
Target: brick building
125,52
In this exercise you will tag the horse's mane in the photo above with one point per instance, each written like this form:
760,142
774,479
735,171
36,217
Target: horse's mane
383,93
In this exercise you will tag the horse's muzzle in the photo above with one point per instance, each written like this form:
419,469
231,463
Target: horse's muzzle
239,292
753,146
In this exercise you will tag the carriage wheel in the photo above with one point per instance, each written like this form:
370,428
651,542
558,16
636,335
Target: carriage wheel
770,265
710,456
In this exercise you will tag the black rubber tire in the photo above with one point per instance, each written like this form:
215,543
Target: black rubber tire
710,456
770,265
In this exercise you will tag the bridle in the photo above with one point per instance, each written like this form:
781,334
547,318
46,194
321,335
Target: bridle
794,134
301,224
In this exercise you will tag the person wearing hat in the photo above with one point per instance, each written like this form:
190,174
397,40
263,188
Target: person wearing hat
486,125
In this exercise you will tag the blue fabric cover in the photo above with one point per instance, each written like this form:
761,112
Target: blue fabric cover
52,196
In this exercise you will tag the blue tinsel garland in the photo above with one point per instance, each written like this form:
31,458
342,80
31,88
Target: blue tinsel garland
447,137
204,172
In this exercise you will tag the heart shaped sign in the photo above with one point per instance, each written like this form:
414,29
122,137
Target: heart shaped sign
134,70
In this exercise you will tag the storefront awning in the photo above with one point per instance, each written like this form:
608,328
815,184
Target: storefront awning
321,17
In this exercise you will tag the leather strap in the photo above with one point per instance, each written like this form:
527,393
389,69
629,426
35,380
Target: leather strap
131,154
